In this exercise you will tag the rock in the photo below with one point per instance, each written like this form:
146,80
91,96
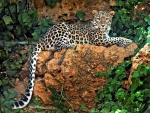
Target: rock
141,58
20,87
72,71
66,9
41,91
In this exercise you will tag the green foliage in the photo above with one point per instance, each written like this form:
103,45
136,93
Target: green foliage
82,107
16,25
80,15
51,3
107,96
114,98
6,100
41,30
7,19
93,110
36,102
16,21
123,23
59,100
26,19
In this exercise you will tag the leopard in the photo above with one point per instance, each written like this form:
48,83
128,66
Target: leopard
65,35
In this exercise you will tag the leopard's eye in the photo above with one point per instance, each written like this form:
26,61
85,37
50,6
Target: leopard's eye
98,19
107,19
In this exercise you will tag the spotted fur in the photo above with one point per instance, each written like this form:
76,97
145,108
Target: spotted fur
64,35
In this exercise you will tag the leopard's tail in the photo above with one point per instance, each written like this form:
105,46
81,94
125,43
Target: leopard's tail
32,68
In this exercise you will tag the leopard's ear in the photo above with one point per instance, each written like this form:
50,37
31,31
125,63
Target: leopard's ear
112,13
95,12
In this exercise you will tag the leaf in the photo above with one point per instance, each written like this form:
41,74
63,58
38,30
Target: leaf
98,74
26,18
110,88
135,83
9,27
7,19
12,8
4,82
11,72
114,34
2,100
1,4
136,74
109,96
105,110
7,105
118,72
135,24
138,93
45,22
120,3
18,30
12,94
51,3
98,91
148,40
92,110
120,94
82,107
147,19
53,90
80,15
20,19
127,25
143,69
120,26
5,94
96,100
43,29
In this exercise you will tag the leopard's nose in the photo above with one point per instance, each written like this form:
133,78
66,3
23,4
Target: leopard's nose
102,25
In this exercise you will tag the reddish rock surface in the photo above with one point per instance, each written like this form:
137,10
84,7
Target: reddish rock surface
72,71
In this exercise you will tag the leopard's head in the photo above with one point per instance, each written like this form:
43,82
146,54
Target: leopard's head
102,20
